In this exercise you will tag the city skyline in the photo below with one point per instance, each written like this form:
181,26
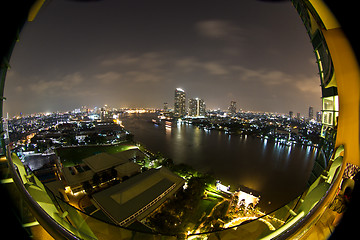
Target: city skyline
200,107
180,109
130,55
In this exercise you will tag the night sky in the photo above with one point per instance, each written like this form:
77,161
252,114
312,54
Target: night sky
135,53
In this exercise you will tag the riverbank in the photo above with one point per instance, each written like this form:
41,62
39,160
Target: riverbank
279,173
199,207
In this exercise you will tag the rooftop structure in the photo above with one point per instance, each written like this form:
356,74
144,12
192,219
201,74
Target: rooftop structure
138,196
127,169
102,161
130,154
246,199
75,176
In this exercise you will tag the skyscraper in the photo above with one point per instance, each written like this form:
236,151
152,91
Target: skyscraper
291,114
232,108
196,107
179,104
104,113
311,112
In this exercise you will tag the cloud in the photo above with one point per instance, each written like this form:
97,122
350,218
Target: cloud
189,64
123,59
214,68
150,67
147,60
108,77
275,77
312,62
309,85
264,76
66,83
218,29
19,89
285,81
279,79
154,67
143,77
145,70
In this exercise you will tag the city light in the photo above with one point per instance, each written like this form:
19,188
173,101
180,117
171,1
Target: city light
103,127
239,220
246,198
221,187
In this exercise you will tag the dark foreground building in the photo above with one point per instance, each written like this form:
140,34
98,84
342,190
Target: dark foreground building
137,197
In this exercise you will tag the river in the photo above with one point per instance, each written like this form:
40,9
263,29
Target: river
279,173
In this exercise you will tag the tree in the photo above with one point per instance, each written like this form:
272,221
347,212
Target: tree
87,187
129,137
113,172
105,176
95,139
96,179
70,139
167,162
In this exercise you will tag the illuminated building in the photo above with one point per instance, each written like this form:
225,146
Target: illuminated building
179,103
232,108
104,113
246,198
222,187
311,112
166,106
100,164
196,107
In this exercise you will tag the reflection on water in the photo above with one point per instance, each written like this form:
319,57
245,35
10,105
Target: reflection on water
277,171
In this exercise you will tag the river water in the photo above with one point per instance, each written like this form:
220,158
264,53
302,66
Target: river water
279,173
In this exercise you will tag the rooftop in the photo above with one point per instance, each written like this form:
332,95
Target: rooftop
138,196
76,175
103,161
127,169
180,89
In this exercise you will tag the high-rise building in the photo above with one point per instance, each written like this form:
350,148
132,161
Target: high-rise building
298,115
291,114
311,112
166,107
179,104
232,108
105,113
196,107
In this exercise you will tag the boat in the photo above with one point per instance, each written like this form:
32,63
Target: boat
155,121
